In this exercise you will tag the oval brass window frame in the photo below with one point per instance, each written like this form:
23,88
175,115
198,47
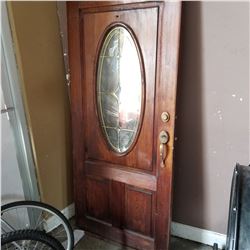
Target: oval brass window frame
143,87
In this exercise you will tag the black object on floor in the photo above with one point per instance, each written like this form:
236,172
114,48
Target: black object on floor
238,230
215,247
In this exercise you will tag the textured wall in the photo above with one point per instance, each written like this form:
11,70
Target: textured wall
213,110
40,61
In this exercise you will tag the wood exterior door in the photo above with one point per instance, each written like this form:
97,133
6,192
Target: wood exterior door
123,64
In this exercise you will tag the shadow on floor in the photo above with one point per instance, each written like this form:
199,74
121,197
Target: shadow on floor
94,242
90,242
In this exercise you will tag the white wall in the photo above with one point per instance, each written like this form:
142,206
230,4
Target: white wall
213,110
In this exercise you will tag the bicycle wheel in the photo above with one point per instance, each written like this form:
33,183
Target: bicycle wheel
29,239
37,216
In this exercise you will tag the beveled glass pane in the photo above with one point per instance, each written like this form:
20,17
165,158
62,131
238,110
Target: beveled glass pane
110,74
110,110
125,139
119,89
112,136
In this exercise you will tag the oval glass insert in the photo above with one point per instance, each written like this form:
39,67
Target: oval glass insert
119,89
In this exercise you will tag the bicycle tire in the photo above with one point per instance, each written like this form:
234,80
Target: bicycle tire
29,237
40,205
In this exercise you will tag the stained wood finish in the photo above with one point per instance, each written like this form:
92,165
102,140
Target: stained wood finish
100,22
97,205
122,174
126,198
138,210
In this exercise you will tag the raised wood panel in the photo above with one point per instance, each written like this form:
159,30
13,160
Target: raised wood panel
117,203
94,27
97,198
138,210
124,237
121,174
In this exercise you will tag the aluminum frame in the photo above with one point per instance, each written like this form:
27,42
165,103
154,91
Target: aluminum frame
11,88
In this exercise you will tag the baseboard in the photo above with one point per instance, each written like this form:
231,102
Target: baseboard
69,211
177,229
197,234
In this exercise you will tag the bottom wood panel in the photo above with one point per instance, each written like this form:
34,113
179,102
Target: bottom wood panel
97,198
138,210
124,237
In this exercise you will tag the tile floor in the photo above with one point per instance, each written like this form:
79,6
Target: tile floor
89,242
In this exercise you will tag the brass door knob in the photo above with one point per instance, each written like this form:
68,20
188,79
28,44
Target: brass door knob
164,137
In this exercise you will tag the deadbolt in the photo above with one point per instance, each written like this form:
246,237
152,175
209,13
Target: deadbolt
164,137
165,116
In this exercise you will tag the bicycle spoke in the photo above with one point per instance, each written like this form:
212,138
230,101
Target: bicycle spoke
36,226
27,243
18,217
42,221
35,245
7,225
62,237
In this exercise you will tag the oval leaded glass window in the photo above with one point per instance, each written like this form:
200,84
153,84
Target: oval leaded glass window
119,89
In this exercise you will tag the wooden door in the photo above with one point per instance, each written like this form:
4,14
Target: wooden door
123,64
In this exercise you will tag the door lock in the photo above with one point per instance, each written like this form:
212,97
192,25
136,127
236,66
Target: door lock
165,117
164,137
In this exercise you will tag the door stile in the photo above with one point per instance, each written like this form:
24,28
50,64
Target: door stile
76,105
166,90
